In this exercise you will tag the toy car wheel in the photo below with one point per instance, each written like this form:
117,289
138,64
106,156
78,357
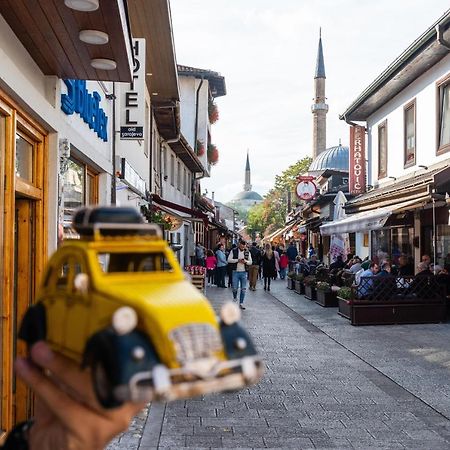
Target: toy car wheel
103,384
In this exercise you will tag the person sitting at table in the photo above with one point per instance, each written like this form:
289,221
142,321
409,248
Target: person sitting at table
365,286
423,283
405,266
384,283
443,279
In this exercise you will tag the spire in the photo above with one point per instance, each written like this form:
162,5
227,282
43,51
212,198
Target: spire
320,65
247,185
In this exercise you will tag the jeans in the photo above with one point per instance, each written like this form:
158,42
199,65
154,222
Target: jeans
239,277
220,274
282,273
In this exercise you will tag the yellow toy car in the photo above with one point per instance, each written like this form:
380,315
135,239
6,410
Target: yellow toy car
117,301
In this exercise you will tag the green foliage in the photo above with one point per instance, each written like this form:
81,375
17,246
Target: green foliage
323,286
345,293
291,275
271,213
310,280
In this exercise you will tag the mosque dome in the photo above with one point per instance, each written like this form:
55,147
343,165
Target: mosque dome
247,195
335,158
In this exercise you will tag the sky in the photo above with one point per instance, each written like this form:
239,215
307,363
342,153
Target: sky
267,50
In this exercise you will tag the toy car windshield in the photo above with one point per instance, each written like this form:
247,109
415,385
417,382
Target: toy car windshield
117,262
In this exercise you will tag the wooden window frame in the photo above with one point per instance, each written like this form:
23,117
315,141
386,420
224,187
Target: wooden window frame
411,105
441,84
383,125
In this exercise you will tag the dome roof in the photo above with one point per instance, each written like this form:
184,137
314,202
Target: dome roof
247,195
335,158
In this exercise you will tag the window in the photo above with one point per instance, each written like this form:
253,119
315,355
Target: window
133,262
179,176
409,119
80,188
184,181
382,149
24,157
443,115
172,170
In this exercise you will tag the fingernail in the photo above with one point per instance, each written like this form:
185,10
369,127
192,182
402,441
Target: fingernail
41,353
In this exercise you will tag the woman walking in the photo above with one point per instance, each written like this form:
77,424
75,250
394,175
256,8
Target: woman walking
211,262
221,266
268,266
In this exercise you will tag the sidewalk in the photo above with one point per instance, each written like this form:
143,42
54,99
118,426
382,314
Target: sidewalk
327,385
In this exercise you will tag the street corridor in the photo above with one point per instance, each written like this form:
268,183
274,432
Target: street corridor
327,385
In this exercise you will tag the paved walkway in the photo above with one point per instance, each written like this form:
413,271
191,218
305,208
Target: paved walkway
327,385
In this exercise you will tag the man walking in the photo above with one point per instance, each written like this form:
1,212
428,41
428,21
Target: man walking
239,258
255,253
292,254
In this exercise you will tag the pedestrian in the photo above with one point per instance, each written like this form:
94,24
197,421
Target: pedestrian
221,267
254,268
277,261
268,266
211,262
199,254
292,253
240,258
311,251
230,266
284,262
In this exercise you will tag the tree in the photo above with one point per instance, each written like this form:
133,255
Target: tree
271,213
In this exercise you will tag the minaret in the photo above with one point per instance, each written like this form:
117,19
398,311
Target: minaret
247,185
319,108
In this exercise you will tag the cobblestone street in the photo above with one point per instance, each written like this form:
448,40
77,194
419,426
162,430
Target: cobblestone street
327,385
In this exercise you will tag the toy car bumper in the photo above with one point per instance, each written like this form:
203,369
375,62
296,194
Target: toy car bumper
202,377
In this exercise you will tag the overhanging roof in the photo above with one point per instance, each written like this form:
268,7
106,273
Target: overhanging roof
185,152
49,31
152,21
216,81
410,187
422,54
369,220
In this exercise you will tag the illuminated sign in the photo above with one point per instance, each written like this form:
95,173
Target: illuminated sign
79,100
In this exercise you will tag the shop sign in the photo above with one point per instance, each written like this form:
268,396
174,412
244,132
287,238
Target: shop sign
79,100
306,188
357,161
130,177
132,116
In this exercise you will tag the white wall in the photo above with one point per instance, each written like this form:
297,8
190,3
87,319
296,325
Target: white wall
424,91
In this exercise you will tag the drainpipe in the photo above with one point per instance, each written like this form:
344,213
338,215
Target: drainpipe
113,152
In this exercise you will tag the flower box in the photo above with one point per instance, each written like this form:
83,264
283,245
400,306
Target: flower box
290,283
299,287
310,292
326,298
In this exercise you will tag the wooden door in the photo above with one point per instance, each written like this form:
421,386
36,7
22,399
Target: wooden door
24,289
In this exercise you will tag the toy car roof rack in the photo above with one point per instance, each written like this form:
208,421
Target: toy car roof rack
103,221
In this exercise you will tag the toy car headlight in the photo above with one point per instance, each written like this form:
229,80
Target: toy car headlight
230,313
124,320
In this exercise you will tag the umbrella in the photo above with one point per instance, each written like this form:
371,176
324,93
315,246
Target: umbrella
340,243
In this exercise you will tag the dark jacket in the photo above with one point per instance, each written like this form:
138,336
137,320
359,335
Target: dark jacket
268,265
292,252
256,255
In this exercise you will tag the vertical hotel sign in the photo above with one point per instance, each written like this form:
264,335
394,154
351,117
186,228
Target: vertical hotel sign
357,161
132,116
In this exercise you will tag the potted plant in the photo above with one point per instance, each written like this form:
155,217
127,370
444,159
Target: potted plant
299,287
213,112
326,296
310,287
213,154
200,148
290,280
344,296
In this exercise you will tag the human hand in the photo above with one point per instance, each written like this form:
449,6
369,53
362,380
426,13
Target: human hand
67,414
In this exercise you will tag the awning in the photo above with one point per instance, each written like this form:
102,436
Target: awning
369,220
193,215
280,231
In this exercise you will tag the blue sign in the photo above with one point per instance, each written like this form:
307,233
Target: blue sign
87,105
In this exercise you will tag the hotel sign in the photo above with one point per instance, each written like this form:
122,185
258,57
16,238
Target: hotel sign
357,160
132,116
